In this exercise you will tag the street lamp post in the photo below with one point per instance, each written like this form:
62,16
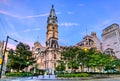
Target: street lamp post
81,66
4,53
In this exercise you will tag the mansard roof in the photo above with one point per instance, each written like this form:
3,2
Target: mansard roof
52,19
87,36
37,44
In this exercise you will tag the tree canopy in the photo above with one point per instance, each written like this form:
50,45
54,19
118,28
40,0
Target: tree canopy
90,58
20,58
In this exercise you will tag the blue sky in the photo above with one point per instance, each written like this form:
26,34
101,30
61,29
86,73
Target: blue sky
26,20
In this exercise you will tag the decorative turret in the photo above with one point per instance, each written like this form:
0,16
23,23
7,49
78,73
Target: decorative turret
93,34
52,19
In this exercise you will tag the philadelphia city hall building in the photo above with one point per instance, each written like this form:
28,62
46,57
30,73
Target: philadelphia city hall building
48,57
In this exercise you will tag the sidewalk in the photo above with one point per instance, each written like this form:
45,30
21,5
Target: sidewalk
52,77
88,78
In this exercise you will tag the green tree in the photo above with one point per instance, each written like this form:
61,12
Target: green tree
70,56
94,61
21,57
84,57
113,64
81,57
100,61
61,66
116,62
90,58
105,60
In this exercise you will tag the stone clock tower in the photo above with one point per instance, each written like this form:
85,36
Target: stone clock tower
52,30
52,54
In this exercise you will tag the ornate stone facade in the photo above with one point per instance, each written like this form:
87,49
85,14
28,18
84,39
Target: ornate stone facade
48,57
90,41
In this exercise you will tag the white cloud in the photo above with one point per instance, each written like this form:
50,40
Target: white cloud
9,14
81,4
12,27
102,25
63,41
14,34
25,17
67,24
33,16
41,15
58,13
27,30
70,12
37,29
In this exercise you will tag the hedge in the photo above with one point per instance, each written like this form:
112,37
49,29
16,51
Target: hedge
19,74
74,75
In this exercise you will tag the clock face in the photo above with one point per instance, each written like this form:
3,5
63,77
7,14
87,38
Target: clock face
52,21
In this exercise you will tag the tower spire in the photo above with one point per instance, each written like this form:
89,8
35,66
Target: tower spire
37,38
52,19
86,32
52,30
52,6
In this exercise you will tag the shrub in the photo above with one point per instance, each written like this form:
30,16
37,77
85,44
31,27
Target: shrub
74,75
19,74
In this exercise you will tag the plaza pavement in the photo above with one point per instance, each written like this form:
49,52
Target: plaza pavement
53,78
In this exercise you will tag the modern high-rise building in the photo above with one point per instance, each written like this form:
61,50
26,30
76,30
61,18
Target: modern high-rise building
111,40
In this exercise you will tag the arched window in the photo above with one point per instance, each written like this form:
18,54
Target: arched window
54,56
53,28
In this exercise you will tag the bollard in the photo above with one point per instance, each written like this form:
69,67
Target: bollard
49,75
